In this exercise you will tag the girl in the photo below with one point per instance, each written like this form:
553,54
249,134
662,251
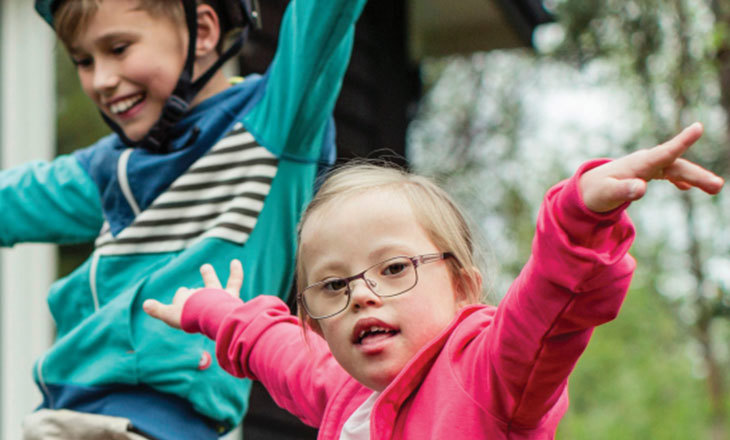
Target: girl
386,277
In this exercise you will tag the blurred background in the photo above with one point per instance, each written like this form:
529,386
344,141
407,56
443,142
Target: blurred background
498,100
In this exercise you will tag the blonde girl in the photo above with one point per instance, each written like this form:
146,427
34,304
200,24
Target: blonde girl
398,345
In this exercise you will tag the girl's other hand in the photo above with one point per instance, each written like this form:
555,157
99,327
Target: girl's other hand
624,180
171,314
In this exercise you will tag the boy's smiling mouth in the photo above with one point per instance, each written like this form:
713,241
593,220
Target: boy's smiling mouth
123,105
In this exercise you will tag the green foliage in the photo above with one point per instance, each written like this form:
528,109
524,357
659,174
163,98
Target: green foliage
634,380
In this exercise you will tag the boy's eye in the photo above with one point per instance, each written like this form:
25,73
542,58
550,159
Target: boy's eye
82,61
119,49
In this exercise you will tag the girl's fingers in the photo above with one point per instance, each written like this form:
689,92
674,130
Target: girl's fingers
235,278
210,279
166,313
685,175
669,151
152,307
623,180
613,193
664,162
682,186
652,163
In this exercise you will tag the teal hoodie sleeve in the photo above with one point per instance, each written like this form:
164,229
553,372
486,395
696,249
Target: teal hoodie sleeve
50,202
305,77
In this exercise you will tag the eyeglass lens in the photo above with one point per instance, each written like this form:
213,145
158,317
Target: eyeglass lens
388,278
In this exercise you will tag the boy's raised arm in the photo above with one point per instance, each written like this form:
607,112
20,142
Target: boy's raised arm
305,77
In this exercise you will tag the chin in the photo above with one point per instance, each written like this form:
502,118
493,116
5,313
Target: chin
136,135
378,383
135,130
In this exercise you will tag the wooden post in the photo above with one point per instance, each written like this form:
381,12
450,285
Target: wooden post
27,127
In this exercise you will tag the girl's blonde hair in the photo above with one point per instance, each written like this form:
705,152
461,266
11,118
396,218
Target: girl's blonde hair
435,211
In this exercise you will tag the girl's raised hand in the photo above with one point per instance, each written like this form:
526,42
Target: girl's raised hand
612,184
171,314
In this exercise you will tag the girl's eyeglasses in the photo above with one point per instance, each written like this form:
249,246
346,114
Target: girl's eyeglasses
391,277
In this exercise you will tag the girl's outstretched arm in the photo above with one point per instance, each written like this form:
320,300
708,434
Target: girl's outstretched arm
624,180
171,314
575,280
300,374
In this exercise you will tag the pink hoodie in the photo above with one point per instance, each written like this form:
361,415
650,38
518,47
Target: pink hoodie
494,373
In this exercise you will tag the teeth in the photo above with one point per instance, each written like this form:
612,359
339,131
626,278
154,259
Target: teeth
371,330
125,104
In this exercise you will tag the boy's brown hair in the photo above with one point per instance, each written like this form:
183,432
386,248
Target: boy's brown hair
72,17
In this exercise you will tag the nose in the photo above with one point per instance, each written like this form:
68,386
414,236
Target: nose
105,77
361,294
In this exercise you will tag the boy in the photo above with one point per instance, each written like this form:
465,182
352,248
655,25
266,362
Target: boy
197,171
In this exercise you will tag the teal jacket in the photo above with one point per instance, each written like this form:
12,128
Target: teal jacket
233,186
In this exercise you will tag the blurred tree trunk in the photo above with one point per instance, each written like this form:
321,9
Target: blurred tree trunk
721,11
705,306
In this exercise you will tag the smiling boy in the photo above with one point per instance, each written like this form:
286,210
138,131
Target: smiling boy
198,170
128,62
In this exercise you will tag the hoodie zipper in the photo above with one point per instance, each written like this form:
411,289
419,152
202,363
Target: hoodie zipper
92,280
124,181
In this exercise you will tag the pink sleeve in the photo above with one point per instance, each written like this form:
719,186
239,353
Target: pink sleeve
576,279
261,340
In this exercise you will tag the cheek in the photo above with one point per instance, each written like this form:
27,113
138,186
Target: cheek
158,76
429,320
167,71
429,316
328,331
86,80
335,335
160,81
151,74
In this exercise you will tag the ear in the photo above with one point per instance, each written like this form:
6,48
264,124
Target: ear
209,31
468,287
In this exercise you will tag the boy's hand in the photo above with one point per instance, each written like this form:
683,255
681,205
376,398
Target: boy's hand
624,180
171,314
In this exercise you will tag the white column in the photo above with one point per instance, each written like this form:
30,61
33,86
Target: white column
27,127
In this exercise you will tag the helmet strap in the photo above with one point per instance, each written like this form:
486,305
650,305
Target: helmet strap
158,139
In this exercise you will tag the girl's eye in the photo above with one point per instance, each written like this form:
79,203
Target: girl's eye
395,268
334,285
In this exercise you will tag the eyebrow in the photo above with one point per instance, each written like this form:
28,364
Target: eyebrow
378,255
104,40
324,271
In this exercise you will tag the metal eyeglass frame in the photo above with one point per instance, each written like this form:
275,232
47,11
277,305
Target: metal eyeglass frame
417,260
